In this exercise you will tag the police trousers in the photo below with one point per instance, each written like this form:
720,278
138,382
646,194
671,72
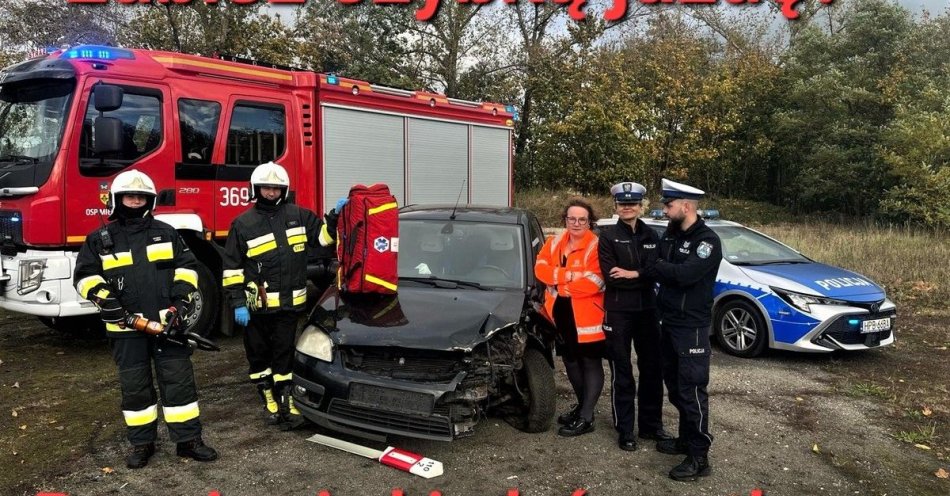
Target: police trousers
642,329
685,352
176,383
269,344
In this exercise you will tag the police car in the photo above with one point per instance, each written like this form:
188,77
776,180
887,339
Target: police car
768,295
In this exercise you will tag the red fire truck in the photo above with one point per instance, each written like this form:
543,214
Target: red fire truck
198,126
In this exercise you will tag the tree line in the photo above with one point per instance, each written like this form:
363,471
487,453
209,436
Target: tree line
844,110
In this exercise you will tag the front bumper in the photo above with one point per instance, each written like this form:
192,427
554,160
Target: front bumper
365,405
55,296
833,331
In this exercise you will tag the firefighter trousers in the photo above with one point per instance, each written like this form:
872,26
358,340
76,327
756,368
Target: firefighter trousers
685,354
642,329
176,384
269,344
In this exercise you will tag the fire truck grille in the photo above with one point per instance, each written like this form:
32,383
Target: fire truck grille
11,231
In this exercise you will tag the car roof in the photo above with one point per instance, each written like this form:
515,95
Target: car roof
470,213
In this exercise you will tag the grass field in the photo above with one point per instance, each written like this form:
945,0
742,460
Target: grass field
913,265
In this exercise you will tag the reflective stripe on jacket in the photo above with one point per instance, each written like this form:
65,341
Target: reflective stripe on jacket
586,293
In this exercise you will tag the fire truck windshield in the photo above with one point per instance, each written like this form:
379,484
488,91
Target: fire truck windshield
32,118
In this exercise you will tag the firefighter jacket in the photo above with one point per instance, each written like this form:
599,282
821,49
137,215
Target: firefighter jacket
269,246
621,246
686,270
586,292
144,263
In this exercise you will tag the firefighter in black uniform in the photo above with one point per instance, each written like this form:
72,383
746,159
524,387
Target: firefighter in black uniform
265,278
630,306
690,253
139,265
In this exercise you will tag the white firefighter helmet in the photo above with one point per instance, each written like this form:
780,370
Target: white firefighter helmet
132,182
270,174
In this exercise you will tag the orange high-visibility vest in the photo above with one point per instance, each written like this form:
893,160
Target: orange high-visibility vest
586,293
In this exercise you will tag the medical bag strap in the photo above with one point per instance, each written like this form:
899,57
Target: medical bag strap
350,247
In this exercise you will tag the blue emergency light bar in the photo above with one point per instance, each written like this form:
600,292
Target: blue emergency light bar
332,79
95,52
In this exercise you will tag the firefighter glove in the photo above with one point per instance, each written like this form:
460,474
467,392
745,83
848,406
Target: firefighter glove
242,316
253,293
110,310
340,204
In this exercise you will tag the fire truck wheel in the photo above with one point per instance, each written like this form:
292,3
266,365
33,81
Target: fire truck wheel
539,407
83,326
202,318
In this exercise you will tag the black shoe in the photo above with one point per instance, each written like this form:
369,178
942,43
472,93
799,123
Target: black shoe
576,428
671,446
691,468
196,449
657,435
627,442
572,415
139,455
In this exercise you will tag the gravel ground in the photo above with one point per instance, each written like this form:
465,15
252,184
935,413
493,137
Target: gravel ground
779,425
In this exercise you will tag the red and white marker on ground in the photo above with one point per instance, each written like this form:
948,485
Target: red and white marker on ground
394,457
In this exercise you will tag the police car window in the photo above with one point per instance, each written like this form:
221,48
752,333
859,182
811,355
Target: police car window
199,125
257,134
742,246
141,117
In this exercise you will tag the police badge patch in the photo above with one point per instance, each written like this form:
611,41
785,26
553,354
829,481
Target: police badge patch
704,250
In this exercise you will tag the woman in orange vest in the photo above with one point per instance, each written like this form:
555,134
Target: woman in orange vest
568,264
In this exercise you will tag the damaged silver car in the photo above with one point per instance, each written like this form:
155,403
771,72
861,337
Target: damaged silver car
460,340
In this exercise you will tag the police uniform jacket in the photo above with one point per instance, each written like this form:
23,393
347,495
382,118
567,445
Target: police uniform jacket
686,270
270,247
621,246
147,267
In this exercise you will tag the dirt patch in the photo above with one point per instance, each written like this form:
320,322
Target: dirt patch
790,424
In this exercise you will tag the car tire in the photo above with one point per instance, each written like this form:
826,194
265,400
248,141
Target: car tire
206,301
740,329
539,377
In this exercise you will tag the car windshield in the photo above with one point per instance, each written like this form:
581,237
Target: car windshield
743,246
474,254
31,120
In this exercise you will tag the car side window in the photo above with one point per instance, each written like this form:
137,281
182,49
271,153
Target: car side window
141,116
199,125
257,134
536,234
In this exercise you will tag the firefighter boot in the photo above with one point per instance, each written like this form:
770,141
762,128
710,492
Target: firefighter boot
139,454
271,410
197,450
289,414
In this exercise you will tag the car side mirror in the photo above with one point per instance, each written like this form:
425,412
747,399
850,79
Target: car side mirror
108,97
108,135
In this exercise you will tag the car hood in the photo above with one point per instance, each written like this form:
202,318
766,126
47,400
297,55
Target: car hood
817,279
421,318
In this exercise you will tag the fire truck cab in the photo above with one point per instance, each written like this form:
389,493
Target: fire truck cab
198,126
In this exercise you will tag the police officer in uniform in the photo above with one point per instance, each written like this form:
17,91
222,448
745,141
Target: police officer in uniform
265,278
139,265
630,306
690,253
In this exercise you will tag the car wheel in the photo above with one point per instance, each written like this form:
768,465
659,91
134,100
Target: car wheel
539,377
740,329
205,301
81,326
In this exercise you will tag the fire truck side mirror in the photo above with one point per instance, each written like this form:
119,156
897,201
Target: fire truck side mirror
108,135
108,97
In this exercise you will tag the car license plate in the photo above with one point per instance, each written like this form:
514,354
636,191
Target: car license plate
391,399
876,325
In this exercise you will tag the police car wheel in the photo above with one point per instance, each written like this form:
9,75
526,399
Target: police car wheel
740,329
